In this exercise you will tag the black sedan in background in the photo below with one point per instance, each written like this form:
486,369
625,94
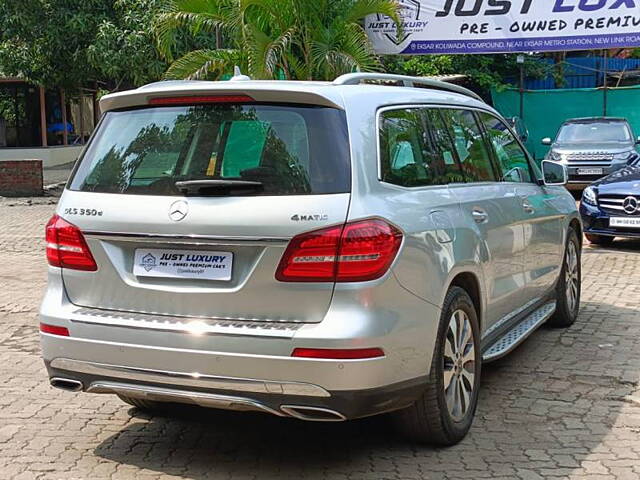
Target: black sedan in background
610,207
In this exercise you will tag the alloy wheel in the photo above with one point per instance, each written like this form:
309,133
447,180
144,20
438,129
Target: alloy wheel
572,280
459,365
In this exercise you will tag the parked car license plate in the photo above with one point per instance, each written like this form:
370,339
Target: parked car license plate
624,222
589,171
199,264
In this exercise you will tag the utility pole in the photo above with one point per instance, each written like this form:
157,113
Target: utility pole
604,82
520,61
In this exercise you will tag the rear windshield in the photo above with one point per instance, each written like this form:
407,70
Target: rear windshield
594,132
291,150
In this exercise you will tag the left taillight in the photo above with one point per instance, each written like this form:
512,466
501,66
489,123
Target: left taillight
54,330
66,246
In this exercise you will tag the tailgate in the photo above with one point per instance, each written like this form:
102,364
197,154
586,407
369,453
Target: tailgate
188,209
252,231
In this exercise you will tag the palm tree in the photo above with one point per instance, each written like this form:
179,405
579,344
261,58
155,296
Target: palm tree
297,39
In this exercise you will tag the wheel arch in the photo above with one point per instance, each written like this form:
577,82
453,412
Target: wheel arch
470,283
577,226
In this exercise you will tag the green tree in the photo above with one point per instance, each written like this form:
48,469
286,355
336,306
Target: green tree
45,41
294,39
487,71
123,52
69,43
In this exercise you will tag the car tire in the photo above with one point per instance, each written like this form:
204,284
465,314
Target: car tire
147,405
441,416
569,285
601,240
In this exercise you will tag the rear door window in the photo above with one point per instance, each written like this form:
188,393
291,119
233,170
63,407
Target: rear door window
413,151
470,146
291,150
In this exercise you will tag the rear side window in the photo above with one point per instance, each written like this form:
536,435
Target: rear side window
291,150
511,157
411,151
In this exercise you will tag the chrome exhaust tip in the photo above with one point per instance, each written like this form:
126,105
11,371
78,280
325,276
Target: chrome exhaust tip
66,384
312,414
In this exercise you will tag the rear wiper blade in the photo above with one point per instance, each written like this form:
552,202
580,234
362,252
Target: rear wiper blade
217,187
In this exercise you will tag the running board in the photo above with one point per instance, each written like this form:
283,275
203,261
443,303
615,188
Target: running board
519,333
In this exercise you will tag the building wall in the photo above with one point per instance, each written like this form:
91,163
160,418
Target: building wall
50,156
20,177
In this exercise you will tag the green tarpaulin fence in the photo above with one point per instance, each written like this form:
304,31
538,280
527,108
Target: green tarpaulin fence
546,110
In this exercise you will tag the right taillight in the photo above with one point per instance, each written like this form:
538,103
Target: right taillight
66,246
354,252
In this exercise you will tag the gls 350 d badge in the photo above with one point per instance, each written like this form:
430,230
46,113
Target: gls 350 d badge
411,23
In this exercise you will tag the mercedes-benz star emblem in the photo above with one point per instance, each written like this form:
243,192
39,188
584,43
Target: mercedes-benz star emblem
178,210
630,205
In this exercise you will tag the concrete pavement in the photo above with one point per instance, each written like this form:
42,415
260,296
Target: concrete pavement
566,404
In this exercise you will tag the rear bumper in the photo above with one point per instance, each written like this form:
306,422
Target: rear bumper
248,365
286,399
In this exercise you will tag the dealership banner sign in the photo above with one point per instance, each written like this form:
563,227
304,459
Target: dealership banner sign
494,26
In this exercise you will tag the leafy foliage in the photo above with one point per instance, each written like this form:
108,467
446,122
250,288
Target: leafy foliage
46,41
70,43
122,51
486,71
290,39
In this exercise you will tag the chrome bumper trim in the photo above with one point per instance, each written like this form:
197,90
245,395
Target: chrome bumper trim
209,400
195,379
276,328
165,238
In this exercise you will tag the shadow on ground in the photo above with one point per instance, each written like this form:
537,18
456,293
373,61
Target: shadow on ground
626,245
552,407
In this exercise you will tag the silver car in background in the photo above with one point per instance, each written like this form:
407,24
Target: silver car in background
323,251
592,148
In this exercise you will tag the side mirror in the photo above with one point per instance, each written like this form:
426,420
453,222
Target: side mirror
638,141
547,141
554,173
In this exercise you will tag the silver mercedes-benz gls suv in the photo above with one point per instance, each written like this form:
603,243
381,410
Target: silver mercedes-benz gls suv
323,251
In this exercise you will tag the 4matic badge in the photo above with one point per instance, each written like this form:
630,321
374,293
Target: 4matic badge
309,218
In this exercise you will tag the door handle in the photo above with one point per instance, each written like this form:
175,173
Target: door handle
479,215
526,205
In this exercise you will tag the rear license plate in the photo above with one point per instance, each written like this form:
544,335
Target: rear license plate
589,171
624,222
198,264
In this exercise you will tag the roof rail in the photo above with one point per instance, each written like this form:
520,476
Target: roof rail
417,82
